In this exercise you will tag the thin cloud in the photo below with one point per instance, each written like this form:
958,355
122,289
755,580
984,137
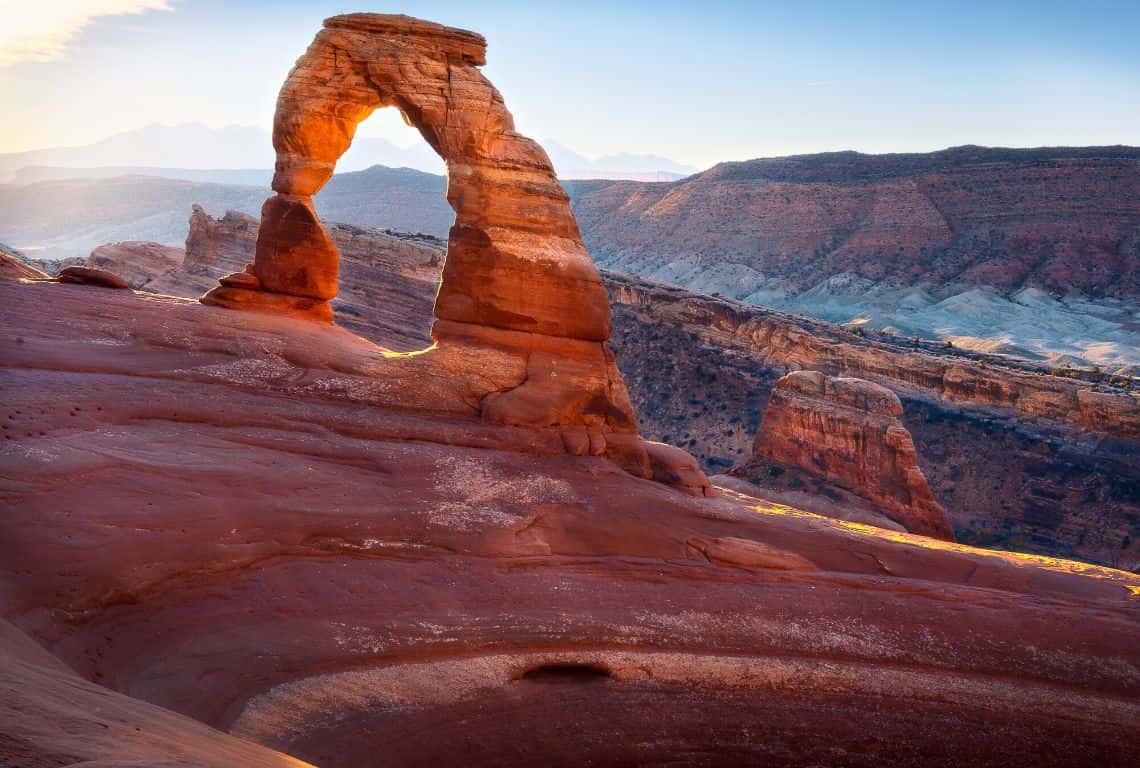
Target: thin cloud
41,31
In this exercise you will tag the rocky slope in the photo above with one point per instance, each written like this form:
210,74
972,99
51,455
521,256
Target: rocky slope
1056,219
241,513
845,432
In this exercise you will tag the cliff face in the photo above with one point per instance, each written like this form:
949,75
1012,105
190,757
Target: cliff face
1035,253
1057,219
848,431
1094,402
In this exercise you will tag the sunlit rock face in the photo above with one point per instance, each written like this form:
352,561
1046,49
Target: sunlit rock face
515,257
14,268
848,431
516,277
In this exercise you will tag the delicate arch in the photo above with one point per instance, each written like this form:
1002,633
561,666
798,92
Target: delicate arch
515,258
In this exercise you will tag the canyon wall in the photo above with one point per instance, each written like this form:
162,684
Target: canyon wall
1059,219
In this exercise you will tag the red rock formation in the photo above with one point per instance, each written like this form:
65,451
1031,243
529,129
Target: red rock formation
50,716
516,277
1008,481
91,276
798,342
515,257
290,533
848,431
13,268
388,280
1014,462
255,521
143,265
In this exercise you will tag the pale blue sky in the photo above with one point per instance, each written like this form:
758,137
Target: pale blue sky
699,82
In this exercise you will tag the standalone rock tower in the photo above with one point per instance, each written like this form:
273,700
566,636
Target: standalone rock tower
848,430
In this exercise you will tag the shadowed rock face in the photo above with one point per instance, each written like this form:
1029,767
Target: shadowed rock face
848,430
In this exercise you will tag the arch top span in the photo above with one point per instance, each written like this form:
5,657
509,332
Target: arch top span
515,258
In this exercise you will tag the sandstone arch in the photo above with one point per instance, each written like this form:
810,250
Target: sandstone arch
515,258
521,315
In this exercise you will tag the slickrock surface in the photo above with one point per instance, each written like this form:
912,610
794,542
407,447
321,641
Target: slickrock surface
13,267
222,513
50,716
466,554
848,431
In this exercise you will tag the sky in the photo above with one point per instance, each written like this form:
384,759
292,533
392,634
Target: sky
698,82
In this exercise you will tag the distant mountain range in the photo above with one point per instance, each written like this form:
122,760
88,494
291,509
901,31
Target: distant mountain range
244,155
69,217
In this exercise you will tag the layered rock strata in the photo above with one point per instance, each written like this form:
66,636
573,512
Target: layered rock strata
848,431
13,267
959,377
1009,479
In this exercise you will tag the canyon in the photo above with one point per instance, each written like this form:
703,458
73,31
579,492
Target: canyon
1030,252
1021,458
238,532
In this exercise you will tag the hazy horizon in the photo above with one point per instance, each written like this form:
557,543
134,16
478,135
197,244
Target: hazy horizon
725,81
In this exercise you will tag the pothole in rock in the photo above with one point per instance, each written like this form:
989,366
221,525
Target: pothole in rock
567,673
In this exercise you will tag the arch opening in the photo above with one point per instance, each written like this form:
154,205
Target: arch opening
389,225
